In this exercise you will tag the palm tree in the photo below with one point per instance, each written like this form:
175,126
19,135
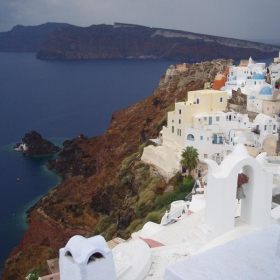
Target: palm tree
189,158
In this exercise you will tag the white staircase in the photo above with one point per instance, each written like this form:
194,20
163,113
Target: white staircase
199,237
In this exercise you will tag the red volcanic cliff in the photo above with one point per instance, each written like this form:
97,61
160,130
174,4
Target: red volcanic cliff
95,196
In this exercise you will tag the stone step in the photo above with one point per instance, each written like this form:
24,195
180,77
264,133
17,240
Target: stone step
203,231
195,241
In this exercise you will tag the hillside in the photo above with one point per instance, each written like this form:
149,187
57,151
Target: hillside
27,38
106,189
121,41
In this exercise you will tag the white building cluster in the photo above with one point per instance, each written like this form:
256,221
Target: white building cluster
204,123
258,83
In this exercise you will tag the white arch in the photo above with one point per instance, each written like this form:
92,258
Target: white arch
221,192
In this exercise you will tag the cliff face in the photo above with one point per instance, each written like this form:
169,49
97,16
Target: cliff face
134,41
91,189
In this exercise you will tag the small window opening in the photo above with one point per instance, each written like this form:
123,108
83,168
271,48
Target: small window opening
69,256
95,257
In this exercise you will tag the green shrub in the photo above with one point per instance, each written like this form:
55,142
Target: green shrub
141,149
153,217
32,276
145,203
187,185
136,225
125,166
110,232
140,164
177,179
103,223
36,272
153,186
165,199
126,179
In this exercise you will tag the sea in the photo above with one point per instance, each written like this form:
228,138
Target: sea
60,100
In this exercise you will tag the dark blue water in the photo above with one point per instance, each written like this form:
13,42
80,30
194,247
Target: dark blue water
59,99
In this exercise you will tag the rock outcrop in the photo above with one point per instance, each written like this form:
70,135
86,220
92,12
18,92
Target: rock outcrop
95,195
33,144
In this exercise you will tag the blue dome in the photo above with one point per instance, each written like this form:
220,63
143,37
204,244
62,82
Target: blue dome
258,77
252,97
266,91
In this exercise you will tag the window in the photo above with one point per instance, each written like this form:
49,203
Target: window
172,121
197,101
221,99
207,138
265,127
201,137
217,119
172,129
274,127
69,256
180,111
179,121
205,156
205,118
190,137
95,257
215,139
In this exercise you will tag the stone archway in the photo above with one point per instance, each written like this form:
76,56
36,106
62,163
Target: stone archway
221,192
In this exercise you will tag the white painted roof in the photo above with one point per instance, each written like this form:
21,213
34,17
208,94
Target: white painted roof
250,257
262,118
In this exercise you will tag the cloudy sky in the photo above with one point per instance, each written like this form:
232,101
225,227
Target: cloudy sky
242,19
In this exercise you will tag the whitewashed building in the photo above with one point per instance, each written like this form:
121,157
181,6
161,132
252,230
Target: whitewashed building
239,75
201,122
275,71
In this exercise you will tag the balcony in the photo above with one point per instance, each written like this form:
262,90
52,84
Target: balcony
256,130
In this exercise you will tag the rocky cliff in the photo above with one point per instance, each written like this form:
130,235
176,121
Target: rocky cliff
134,41
105,189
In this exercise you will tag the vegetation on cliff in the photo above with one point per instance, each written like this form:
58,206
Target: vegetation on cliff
106,189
